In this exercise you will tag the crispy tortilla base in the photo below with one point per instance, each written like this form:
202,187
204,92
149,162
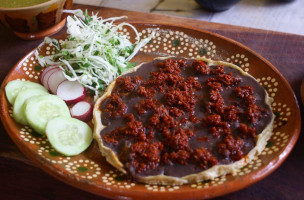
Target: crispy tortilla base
211,173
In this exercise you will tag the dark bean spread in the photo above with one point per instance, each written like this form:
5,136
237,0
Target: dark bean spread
177,117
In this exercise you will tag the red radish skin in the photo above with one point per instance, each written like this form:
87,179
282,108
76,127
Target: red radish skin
45,71
82,110
47,75
54,80
71,91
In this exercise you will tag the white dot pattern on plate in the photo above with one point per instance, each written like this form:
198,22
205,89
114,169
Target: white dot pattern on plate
209,183
84,168
31,70
282,112
32,137
174,43
270,84
117,179
240,60
10,111
159,188
165,43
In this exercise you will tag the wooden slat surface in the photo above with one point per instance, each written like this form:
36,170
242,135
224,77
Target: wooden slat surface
19,177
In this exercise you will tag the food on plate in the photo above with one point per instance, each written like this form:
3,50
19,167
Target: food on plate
69,136
71,91
177,121
44,72
47,75
82,110
13,88
33,105
48,114
40,109
94,53
54,80
18,108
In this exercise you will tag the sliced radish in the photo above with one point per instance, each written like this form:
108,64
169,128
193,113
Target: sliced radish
82,110
54,80
45,71
47,75
71,91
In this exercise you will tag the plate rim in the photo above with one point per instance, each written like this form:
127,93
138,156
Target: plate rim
106,191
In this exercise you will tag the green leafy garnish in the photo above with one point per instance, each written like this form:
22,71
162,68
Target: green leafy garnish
175,43
35,134
37,68
87,18
269,144
119,178
86,47
277,115
95,52
54,153
203,51
82,169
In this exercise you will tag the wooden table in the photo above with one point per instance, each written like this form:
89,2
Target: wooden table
21,179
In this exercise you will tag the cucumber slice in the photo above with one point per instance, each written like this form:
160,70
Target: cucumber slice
14,87
18,111
40,109
69,136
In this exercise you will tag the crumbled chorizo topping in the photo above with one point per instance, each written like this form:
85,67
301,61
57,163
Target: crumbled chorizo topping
174,80
254,113
181,157
212,120
145,92
215,96
246,94
200,67
161,119
218,126
218,70
230,113
116,107
204,158
180,99
129,117
194,119
126,85
178,139
170,66
243,91
246,131
213,84
228,79
176,112
133,129
113,137
217,131
191,83
145,155
172,113
145,105
231,147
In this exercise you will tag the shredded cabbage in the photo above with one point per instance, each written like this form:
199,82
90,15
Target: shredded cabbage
95,52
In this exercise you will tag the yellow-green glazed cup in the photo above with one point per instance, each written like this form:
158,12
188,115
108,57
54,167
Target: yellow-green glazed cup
37,21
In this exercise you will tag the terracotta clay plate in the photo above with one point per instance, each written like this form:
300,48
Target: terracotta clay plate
89,171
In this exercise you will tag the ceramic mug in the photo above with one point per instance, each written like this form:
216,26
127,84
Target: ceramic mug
40,18
217,5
